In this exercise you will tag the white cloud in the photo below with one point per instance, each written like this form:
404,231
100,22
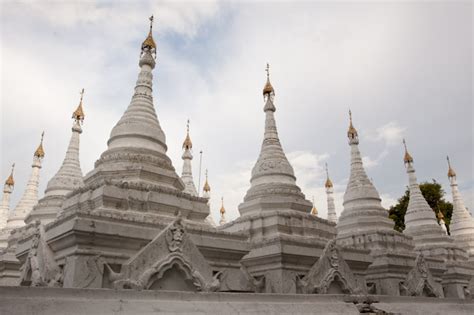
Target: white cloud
184,17
391,134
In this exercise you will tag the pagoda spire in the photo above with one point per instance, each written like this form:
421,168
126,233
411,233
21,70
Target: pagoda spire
137,145
272,169
206,193
30,195
420,219
314,211
67,178
222,220
187,173
5,205
462,223
332,216
206,190
363,211
441,222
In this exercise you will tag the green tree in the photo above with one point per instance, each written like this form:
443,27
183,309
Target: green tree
434,195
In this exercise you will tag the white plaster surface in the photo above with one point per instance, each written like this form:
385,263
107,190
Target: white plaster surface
28,199
462,224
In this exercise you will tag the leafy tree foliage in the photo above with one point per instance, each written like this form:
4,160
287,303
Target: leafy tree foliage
434,195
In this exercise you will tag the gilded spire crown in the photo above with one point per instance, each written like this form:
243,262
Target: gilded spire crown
440,215
149,43
78,114
328,183
314,211
451,172
222,210
268,88
352,132
206,188
407,158
39,153
187,144
10,181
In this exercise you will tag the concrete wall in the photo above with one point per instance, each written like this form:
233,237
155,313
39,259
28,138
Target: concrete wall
51,301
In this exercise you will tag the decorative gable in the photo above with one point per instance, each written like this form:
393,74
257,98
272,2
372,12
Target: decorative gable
420,282
330,274
171,261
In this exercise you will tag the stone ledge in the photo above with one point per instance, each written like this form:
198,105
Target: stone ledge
26,300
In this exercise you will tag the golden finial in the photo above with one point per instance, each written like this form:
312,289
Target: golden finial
451,172
328,183
10,181
187,144
352,132
440,215
149,42
222,210
407,158
206,188
268,89
314,211
39,153
78,114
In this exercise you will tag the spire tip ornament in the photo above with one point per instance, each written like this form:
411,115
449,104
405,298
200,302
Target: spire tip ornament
10,181
451,172
328,183
206,187
149,44
407,158
187,144
78,114
39,153
352,132
268,88
222,210
314,211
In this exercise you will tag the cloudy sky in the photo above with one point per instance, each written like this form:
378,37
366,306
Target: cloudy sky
405,69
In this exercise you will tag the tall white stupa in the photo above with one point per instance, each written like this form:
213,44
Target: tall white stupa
462,223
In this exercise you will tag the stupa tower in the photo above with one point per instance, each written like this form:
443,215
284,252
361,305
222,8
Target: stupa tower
421,223
68,177
134,173
30,196
272,171
332,216
462,223
187,174
363,211
137,145
5,205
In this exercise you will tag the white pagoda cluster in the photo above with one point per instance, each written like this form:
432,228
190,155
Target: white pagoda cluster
133,223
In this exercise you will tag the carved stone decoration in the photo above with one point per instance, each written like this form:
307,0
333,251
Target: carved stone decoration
40,268
330,272
256,285
171,250
174,236
420,282
93,271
